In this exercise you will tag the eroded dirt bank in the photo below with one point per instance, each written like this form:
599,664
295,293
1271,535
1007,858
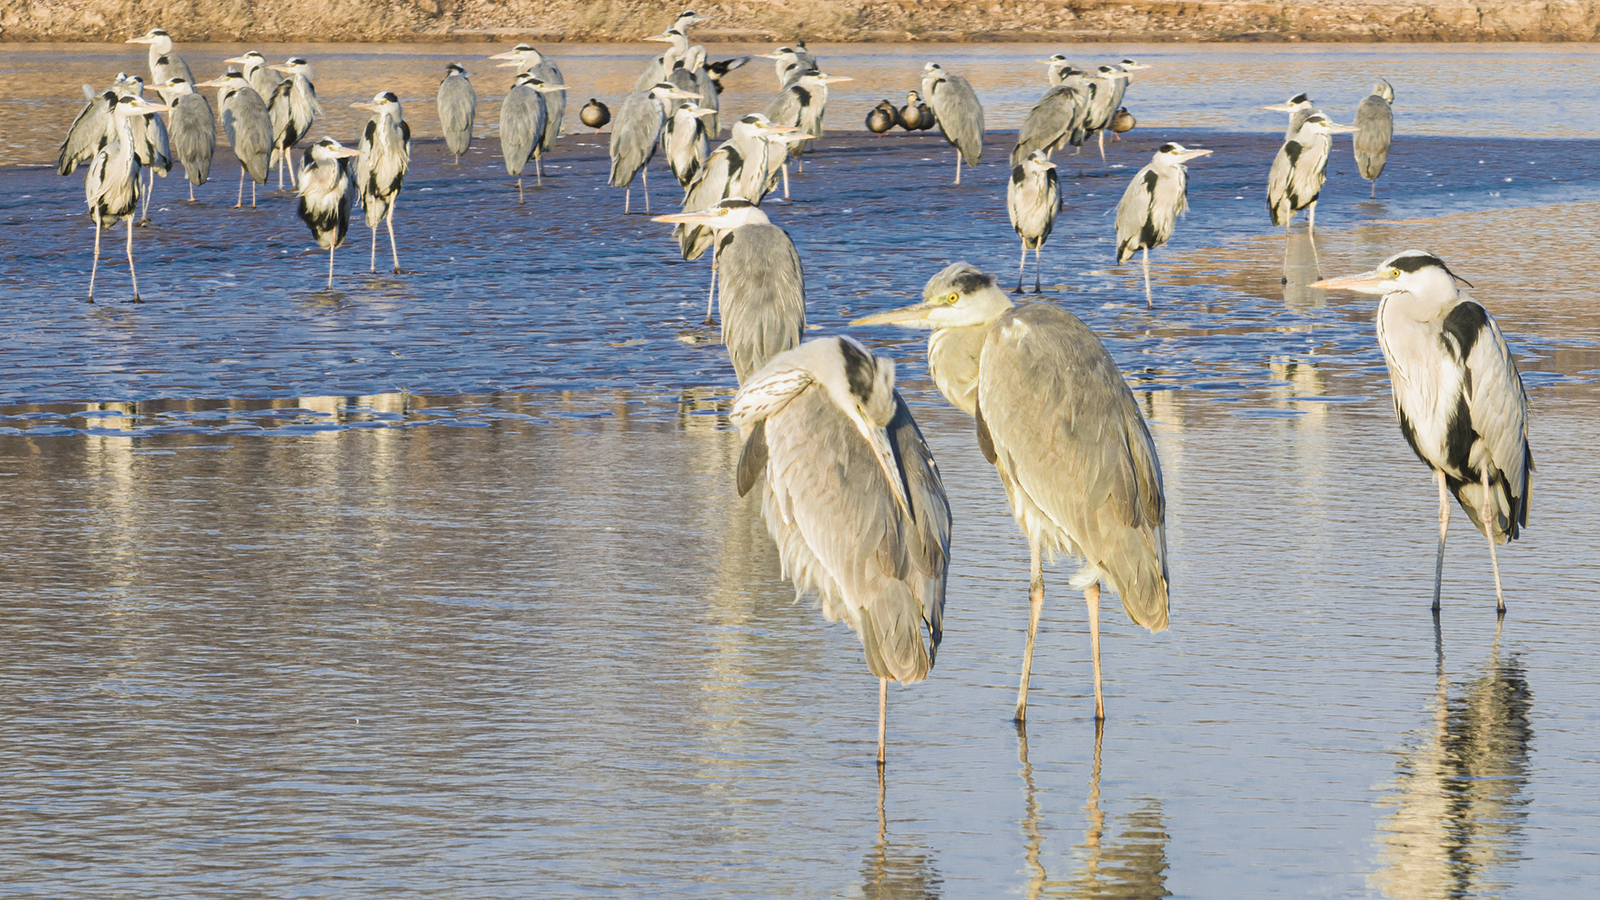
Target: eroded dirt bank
816,20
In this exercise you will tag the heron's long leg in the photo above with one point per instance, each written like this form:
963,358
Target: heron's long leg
293,181
1035,608
538,171
330,268
519,190
883,717
1444,528
1102,140
280,172
372,260
1145,261
389,220
1374,194
1037,268
1022,266
191,192
647,189
712,296
145,216
1091,594
786,179
240,203
958,165
252,192
135,276
627,199
1491,512
1311,218
95,269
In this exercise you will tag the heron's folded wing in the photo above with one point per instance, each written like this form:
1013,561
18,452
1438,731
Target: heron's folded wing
763,298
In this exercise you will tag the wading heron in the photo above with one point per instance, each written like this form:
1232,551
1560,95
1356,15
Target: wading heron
165,63
327,191
91,129
150,143
1063,430
635,132
112,186
381,169
745,165
853,499
1457,394
1107,85
523,116
192,131
526,59
457,103
249,128
763,300
293,108
687,141
1058,118
1300,108
1374,131
1300,170
1151,205
959,114
1033,198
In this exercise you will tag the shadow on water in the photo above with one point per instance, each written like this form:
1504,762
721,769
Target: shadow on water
1459,809
1112,861
1301,267
897,869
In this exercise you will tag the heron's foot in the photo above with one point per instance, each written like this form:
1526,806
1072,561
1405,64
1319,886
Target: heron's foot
136,299
708,322
143,223
1036,290
400,271
237,206
89,299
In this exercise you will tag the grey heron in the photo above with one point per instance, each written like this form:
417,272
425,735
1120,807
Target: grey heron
790,63
150,142
249,128
457,103
293,107
262,77
958,112
853,499
635,134
165,63
1151,205
523,116
381,169
700,82
93,125
882,118
1107,85
112,186
1300,170
1300,108
595,115
762,303
527,59
1374,130
191,129
802,104
1033,197
1058,68
915,115
1058,118
686,140
327,191
744,165
1061,426
1457,394
661,65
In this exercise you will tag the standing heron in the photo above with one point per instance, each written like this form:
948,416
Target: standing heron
1300,108
327,191
634,135
1033,198
1151,205
165,64
853,499
763,300
1057,119
1057,68
112,186
685,138
293,108
802,104
526,59
958,112
1300,170
744,165
1108,84
1063,429
192,131
1457,394
150,143
523,116
790,63
261,76
1374,131
248,124
661,65
458,106
381,170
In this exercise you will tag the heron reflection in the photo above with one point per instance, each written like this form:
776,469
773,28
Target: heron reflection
897,870
1459,809
1301,268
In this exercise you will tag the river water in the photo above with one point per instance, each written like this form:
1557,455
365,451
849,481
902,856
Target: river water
435,584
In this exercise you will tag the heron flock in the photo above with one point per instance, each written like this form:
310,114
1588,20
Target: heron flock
850,491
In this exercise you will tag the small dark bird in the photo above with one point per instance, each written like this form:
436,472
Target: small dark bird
882,117
915,115
594,114
1123,122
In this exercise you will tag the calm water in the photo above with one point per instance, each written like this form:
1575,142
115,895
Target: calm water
436,584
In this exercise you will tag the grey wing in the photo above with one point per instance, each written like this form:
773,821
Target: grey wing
763,296
89,130
960,116
458,107
1375,121
1047,124
1499,408
522,119
280,110
1075,452
634,133
252,133
784,109
304,106
1310,171
930,509
555,105
1283,166
194,136
709,186
1133,214
160,144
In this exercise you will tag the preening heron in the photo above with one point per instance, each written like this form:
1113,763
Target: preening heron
1300,170
327,191
958,112
635,132
745,165
802,104
1151,205
1033,198
1374,131
192,131
90,130
293,107
381,169
1063,429
165,63
1058,118
249,128
882,118
526,59
112,186
523,117
1457,394
1300,108
853,499
457,103
763,299
915,115
686,138
595,114
262,77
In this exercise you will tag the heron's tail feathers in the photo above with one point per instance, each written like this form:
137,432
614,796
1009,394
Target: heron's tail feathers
1137,571
891,635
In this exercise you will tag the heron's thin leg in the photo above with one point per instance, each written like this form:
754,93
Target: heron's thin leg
627,199
280,173
240,203
252,192
1145,261
1374,194
1035,608
147,192
294,182
1022,266
1037,268
95,269
1102,139
1091,594
647,189
958,165
389,220
1491,510
135,276
883,717
330,268
538,171
711,297
191,192
519,190
1444,528
1311,218
372,261
786,179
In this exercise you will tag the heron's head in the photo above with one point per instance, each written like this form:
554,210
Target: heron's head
383,103
1413,272
1110,73
932,72
1293,104
1038,161
155,36
1129,65
821,79
1319,123
544,87
177,87
689,107
130,85
670,36
296,65
725,215
329,149
1384,89
134,105
249,59
517,53
959,296
456,69
233,78
1176,154
687,18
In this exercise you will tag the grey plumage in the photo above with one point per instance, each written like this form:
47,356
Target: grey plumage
254,67
958,112
112,186
790,63
1374,130
192,131
88,132
327,189
1057,119
165,63
458,107
522,123
1152,203
1063,430
525,58
1033,198
742,166
248,125
802,105
1107,85
635,132
381,169
1300,169
687,142
293,108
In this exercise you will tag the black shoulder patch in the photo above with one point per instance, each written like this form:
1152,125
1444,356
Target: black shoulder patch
753,458
1292,150
1462,326
1016,175
858,369
985,440
372,130
1150,179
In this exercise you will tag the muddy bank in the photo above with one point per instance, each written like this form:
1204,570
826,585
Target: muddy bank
816,20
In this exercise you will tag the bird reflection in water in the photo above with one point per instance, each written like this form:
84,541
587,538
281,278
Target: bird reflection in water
1131,864
1301,268
891,872
1459,810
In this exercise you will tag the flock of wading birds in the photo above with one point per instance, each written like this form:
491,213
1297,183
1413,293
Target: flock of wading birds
851,493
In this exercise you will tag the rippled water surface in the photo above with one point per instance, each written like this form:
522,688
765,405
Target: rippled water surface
436,584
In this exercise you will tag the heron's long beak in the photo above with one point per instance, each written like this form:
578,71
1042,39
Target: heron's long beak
661,38
830,79
280,68
241,60
509,54
699,217
345,152
148,108
506,65
1187,155
676,94
1342,129
878,437
915,316
142,39
550,88
1373,282
790,137
363,106
215,82
1279,107
692,109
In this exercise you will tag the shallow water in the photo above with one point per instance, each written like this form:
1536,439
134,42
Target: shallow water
435,584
